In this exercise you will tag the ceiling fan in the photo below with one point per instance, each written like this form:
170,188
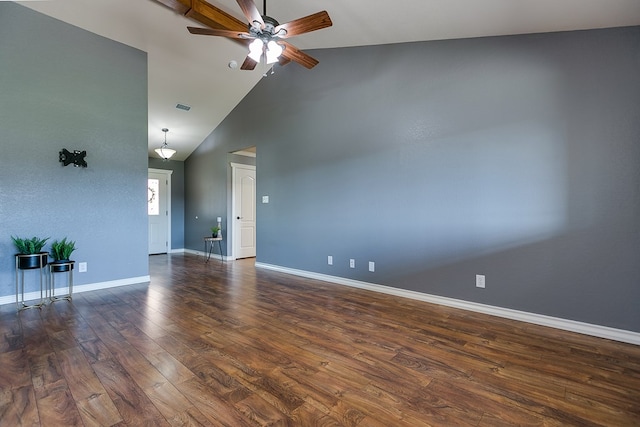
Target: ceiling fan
266,36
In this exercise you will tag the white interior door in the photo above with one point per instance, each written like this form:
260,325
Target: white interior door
244,210
158,210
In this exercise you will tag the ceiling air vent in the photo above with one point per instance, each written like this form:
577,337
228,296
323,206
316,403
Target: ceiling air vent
183,107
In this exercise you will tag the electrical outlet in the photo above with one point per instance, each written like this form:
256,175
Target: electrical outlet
480,280
330,260
352,263
372,266
82,267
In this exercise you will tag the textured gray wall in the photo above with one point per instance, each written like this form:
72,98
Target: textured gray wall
514,157
63,87
177,198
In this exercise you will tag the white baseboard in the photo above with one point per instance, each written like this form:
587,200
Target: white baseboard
538,319
181,251
204,254
35,295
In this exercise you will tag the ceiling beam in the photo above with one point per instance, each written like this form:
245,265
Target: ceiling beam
205,13
180,6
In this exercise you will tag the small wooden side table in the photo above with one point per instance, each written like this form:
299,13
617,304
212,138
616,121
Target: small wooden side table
209,242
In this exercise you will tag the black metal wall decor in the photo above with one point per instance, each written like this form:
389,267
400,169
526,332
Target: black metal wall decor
77,158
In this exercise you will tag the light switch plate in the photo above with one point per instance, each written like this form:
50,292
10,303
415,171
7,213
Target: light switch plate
265,199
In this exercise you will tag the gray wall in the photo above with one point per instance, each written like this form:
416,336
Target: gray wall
177,198
63,87
514,157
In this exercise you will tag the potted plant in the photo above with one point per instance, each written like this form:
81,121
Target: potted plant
30,254
214,231
61,251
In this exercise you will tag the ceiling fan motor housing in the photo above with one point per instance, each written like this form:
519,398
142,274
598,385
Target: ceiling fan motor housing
270,25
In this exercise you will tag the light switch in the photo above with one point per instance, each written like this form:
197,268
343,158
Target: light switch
265,199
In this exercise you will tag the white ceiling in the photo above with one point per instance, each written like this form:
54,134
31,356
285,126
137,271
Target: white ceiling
181,64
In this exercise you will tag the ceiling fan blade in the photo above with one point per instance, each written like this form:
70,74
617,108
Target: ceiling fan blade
283,61
248,64
292,53
251,12
314,22
215,32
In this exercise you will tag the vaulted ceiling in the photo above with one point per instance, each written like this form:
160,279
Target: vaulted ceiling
194,70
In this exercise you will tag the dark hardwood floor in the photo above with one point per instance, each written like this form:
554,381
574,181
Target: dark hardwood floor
229,345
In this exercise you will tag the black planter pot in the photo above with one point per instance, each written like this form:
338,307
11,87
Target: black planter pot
61,266
31,261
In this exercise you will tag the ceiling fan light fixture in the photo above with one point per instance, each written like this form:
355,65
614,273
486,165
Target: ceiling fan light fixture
263,30
164,151
255,49
274,50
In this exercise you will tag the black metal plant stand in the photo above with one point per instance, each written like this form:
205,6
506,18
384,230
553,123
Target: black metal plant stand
56,268
30,262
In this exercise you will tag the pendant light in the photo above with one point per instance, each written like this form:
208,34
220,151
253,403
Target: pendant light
164,151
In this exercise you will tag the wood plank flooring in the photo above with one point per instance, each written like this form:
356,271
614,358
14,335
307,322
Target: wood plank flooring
229,345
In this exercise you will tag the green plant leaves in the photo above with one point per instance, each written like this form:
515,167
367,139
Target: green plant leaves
30,246
62,249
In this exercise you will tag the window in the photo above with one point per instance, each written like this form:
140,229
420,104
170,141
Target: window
152,196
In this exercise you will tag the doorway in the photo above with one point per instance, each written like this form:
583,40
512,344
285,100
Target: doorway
159,210
243,202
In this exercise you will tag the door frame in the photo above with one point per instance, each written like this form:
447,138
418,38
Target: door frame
235,236
167,174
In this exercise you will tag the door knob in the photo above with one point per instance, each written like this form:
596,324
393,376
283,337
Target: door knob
238,217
